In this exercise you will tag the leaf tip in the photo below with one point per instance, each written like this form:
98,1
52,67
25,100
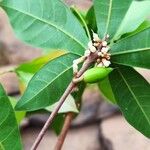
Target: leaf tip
18,108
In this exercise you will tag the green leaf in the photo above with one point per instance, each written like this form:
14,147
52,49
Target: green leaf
68,106
19,114
109,15
81,19
48,84
132,21
143,26
24,79
48,24
34,65
58,123
26,70
132,93
106,90
133,50
91,19
77,94
9,132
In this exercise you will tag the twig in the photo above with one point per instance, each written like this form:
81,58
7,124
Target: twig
64,131
53,114
69,89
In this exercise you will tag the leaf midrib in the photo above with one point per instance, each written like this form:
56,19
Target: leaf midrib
109,15
47,22
130,51
128,86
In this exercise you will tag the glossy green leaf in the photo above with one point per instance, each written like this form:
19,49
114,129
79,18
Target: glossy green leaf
26,70
58,123
106,90
68,106
143,26
132,93
9,132
133,50
48,24
20,115
48,84
137,13
91,19
77,95
24,78
109,15
81,19
34,65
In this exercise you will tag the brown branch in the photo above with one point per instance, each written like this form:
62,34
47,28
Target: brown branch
69,89
52,116
64,131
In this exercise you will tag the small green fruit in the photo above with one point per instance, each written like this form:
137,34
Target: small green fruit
96,74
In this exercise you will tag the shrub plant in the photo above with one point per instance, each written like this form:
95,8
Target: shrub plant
102,46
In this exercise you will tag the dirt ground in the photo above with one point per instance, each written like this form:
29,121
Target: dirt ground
97,126
116,129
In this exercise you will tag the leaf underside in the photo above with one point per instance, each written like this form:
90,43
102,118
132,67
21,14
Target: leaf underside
68,106
132,21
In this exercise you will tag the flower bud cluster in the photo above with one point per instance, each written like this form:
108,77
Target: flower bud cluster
100,46
95,46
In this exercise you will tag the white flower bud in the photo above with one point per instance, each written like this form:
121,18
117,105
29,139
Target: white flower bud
90,44
98,60
108,57
92,49
75,68
107,36
87,53
104,43
95,37
100,54
75,61
105,49
96,44
106,62
79,60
